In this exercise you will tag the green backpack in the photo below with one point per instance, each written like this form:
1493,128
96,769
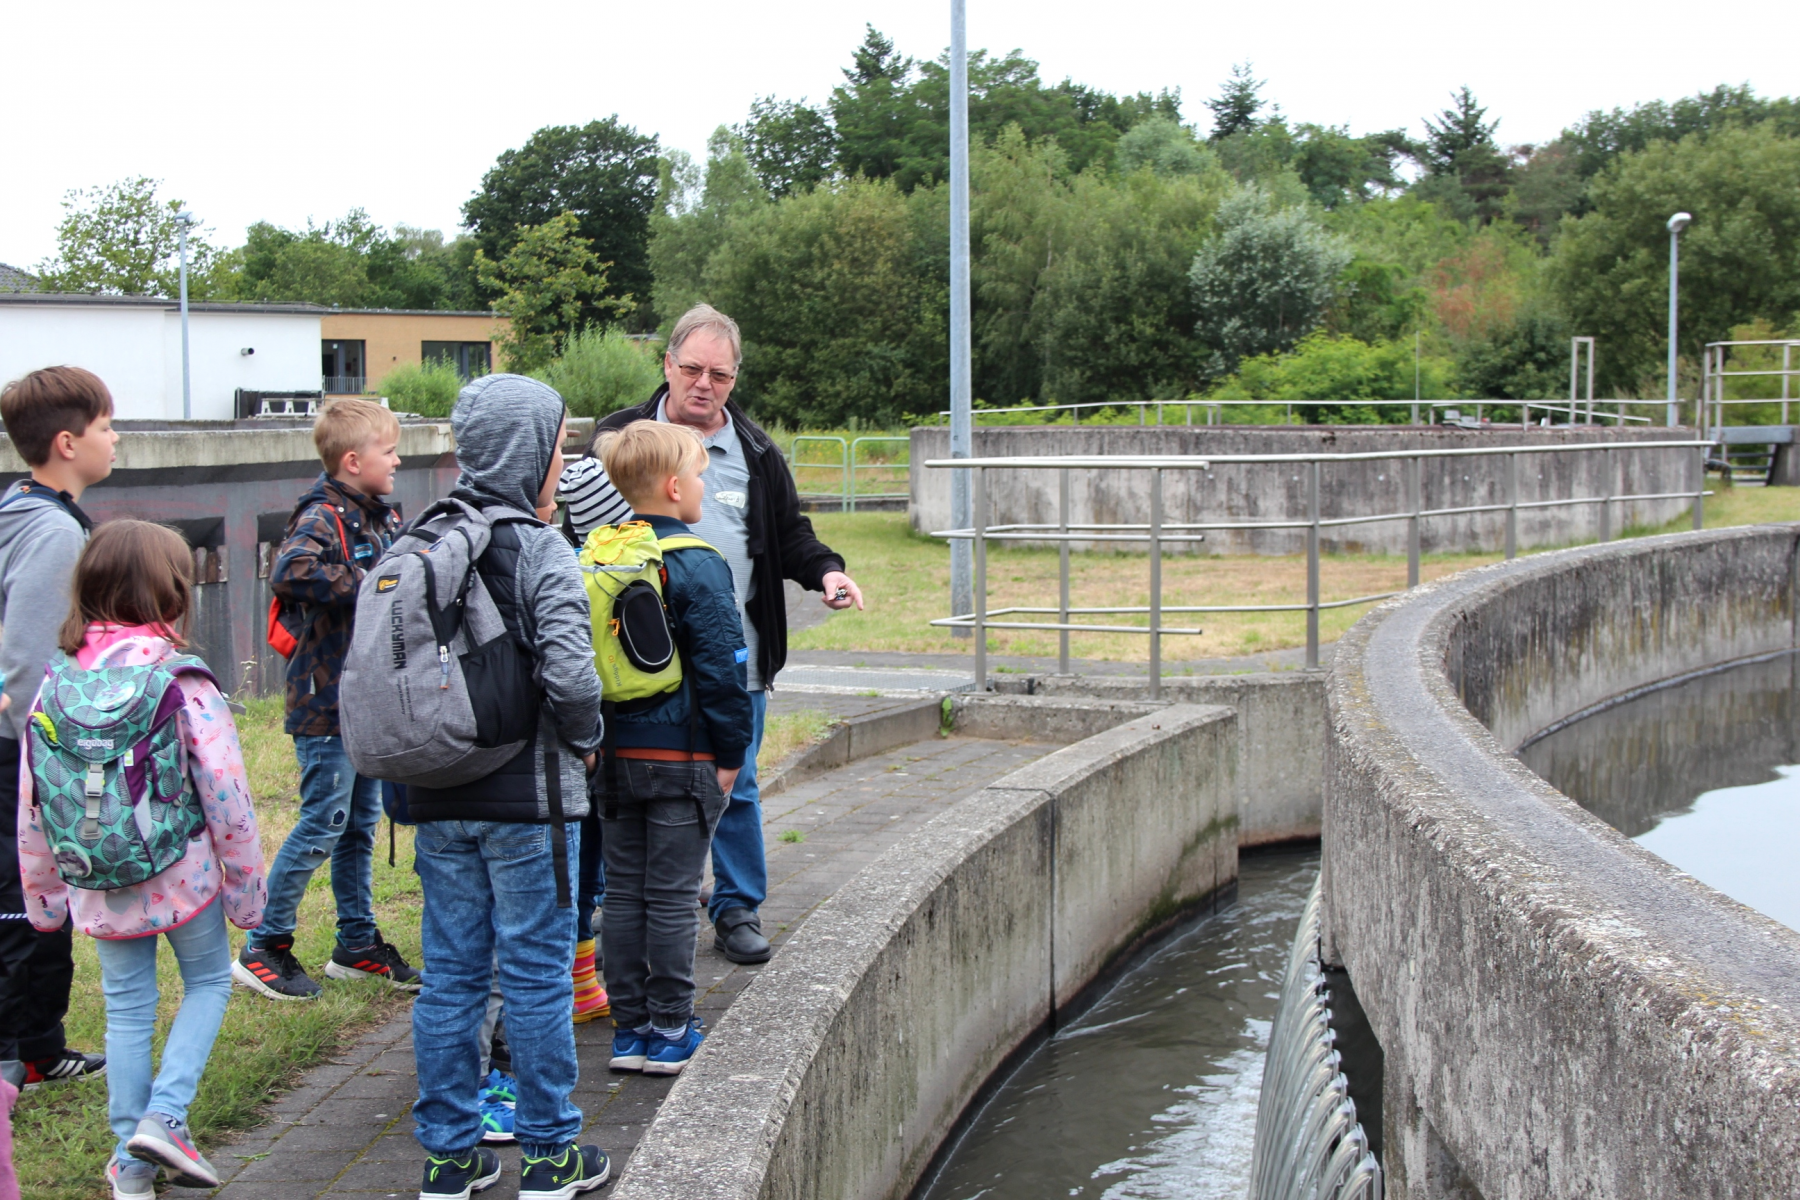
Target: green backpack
113,794
634,646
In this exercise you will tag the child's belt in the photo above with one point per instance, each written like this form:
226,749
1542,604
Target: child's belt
662,755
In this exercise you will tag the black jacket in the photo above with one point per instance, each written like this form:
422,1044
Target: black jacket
782,543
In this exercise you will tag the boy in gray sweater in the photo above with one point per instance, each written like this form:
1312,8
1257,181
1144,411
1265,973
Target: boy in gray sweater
60,423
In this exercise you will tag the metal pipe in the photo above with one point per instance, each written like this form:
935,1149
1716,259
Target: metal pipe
1787,367
1606,490
1062,513
1700,488
961,392
1677,223
1156,518
980,547
1312,567
1512,506
1416,488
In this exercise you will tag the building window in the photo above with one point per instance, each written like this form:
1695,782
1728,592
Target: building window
343,368
469,358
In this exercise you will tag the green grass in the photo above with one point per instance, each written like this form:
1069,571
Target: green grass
905,579
60,1136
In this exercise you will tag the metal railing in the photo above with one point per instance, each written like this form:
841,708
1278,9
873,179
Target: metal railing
1710,409
1159,532
345,385
1212,411
848,465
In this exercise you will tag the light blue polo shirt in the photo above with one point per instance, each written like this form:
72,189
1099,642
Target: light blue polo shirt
725,522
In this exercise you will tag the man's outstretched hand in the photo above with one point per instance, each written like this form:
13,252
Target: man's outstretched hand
837,581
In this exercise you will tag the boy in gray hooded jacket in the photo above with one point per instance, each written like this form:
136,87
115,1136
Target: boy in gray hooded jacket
60,422
484,850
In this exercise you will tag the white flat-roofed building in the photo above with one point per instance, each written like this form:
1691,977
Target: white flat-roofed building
134,344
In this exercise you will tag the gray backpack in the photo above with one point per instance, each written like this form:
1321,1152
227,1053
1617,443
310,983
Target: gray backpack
436,691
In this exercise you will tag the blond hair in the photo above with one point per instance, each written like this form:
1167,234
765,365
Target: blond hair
639,457
345,425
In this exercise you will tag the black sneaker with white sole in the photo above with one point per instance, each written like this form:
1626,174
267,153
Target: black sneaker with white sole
60,1068
275,972
564,1176
458,1176
380,961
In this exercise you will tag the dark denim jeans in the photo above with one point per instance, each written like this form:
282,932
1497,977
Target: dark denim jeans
655,852
740,873
592,892
490,893
339,813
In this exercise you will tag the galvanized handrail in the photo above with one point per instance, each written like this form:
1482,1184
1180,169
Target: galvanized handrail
846,466
1713,376
1213,409
1158,532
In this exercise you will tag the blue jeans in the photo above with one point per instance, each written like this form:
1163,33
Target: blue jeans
490,893
128,981
740,873
339,812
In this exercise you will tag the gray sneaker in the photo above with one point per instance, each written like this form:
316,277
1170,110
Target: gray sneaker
163,1139
131,1179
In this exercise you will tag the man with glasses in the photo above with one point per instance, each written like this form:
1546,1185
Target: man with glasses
752,516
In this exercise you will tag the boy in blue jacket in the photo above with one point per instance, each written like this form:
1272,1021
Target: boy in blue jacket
672,763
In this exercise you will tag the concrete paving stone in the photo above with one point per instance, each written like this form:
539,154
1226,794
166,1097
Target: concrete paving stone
365,1175
261,1189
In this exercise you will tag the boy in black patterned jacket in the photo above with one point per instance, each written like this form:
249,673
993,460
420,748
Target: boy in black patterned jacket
338,531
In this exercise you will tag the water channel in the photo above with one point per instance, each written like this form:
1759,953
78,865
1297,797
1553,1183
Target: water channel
1151,1094
1704,773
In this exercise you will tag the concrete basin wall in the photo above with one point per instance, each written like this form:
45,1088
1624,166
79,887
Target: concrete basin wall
1561,1012
841,1070
1277,491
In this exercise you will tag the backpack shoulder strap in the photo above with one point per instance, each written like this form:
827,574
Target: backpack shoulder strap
685,541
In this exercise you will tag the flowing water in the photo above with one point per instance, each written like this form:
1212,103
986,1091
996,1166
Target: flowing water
1705,774
1151,1094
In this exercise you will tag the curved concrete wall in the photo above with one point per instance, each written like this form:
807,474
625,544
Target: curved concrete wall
1277,491
1561,1012
841,1070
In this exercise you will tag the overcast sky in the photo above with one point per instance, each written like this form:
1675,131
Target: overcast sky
284,111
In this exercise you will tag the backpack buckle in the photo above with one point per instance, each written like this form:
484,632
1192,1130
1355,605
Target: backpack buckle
96,788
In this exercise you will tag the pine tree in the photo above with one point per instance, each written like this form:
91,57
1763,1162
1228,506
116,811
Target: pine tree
1238,103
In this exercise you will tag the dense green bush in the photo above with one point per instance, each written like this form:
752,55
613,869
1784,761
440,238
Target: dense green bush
1327,367
428,390
602,371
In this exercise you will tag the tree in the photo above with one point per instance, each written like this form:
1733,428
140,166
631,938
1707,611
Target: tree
868,110
605,173
791,146
602,371
354,263
1526,358
1327,367
1600,137
693,212
1238,102
547,284
1164,146
1461,157
1740,259
121,240
1265,280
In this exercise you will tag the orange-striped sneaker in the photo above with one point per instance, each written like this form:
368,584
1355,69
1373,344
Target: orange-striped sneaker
378,960
590,997
275,972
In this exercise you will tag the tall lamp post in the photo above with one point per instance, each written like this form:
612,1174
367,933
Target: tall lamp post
186,220
1677,223
962,590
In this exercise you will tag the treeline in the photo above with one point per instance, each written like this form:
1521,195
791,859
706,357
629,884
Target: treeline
1122,248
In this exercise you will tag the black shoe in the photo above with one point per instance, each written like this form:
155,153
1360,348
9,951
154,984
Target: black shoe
60,1068
455,1176
738,935
275,972
380,961
577,1169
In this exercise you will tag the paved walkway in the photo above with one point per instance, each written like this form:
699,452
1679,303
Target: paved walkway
347,1130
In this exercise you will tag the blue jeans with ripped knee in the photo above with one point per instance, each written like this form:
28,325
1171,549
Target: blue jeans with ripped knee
339,813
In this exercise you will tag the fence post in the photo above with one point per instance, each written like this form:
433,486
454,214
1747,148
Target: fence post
981,517
1312,565
1062,520
1140,409
850,477
1417,489
1156,527
1606,493
1512,506
1699,487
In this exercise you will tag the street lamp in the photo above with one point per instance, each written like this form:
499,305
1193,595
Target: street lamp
962,584
186,220
1677,223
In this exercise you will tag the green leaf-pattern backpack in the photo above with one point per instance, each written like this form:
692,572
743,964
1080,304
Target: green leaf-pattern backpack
113,794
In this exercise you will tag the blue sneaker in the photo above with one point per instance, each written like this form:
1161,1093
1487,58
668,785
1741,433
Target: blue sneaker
457,1177
667,1056
500,1086
629,1049
496,1121
564,1176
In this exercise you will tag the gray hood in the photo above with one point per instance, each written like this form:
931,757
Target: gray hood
505,427
39,543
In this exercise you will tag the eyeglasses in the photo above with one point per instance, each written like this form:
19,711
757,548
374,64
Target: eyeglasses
692,374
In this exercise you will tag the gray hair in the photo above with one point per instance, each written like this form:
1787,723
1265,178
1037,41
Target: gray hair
704,318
